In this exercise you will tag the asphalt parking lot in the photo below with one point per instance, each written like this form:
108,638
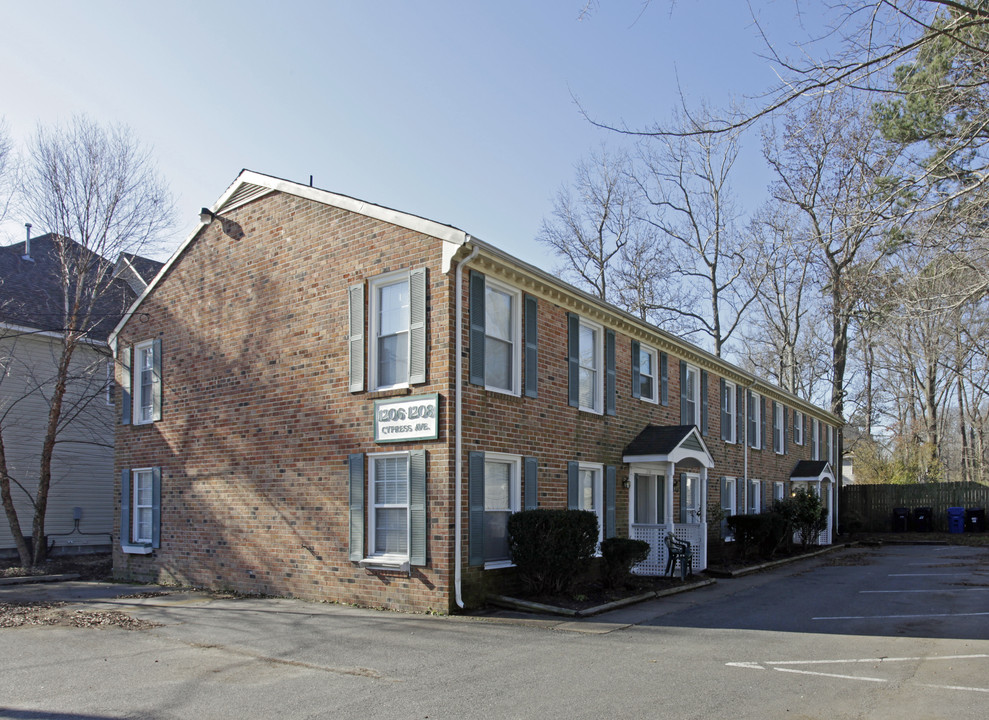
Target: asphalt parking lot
891,632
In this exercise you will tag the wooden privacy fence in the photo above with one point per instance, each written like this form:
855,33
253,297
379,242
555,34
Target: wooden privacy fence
869,508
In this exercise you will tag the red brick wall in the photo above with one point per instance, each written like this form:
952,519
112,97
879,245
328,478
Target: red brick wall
258,419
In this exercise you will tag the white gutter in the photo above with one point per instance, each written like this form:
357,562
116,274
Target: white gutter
458,431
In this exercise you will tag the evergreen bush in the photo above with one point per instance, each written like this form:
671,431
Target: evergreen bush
551,548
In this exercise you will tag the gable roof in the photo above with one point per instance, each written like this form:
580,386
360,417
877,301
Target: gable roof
31,294
812,470
250,185
668,443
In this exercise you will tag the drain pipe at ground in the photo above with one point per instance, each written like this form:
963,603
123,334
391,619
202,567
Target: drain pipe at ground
458,428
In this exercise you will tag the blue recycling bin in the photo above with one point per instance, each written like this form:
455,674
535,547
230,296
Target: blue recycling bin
956,520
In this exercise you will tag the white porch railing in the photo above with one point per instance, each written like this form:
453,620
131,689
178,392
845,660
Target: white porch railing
655,563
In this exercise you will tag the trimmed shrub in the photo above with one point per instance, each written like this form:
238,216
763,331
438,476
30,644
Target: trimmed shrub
551,548
763,533
620,554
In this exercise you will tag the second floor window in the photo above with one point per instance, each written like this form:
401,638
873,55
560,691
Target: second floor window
501,338
391,322
590,367
690,396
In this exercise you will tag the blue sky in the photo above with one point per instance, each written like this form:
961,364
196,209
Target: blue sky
460,112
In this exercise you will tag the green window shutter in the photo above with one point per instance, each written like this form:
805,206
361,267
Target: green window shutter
531,480
750,413
683,497
661,486
610,488
573,359
157,385
636,384
683,395
531,346
355,296
704,409
475,503
417,326
156,507
573,481
664,379
827,444
356,468
796,425
610,391
477,328
417,507
762,419
740,506
126,378
125,528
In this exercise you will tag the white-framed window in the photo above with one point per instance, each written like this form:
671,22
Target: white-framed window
777,490
145,381
729,417
648,499
691,414
691,498
502,492
815,439
388,510
390,331
591,366
502,337
142,499
648,374
755,496
778,428
798,427
729,505
755,420
590,493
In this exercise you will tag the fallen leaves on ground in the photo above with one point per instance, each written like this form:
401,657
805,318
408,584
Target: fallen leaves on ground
56,613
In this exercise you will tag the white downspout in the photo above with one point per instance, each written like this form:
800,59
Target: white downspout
458,432
745,452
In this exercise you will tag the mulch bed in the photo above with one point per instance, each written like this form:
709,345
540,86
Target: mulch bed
97,567
591,594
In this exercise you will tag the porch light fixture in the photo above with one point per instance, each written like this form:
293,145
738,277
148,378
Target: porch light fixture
626,483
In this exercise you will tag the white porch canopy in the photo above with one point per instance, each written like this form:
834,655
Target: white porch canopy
818,476
653,458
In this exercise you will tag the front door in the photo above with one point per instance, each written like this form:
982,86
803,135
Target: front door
691,499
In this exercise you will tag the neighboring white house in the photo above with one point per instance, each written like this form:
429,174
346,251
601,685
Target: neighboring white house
80,501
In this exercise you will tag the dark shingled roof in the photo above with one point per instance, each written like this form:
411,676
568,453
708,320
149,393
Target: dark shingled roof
658,440
31,293
809,468
145,267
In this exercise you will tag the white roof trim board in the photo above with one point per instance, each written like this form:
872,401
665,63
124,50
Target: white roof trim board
251,185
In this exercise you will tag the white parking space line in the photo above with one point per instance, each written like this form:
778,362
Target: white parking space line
899,617
929,574
782,666
936,590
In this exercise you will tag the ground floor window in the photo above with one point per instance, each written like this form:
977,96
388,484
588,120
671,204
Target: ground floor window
648,499
777,491
502,488
755,496
729,506
589,493
389,511
141,531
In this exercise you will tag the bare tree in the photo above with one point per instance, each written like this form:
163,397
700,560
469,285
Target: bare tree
593,220
8,171
687,181
96,191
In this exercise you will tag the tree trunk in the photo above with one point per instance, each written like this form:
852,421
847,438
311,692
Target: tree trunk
11,512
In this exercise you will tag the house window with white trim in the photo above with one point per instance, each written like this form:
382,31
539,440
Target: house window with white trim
648,374
502,338
590,493
390,324
798,427
755,497
778,428
729,418
502,489
388,512
691,396
755,420
143,506
778,491
648,499
146,382
729,505
815,439
590,360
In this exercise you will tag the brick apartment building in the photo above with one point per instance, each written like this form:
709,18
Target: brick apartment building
333,400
